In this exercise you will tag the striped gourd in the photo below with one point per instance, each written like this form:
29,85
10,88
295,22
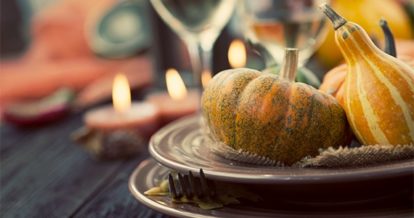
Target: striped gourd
333,82
272,116
378,88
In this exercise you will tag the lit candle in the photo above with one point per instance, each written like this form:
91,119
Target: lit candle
142,116
237,54
178,101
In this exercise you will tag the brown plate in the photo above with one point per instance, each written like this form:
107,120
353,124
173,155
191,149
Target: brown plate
183,146
149,174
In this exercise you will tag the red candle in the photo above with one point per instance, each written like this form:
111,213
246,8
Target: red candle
140,116
123,115
178,102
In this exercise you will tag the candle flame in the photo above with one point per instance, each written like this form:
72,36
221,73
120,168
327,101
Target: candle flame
121,94
175,85
205,78
237,54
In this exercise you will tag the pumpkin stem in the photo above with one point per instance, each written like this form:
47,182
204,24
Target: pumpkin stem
389,39
289,64
335,18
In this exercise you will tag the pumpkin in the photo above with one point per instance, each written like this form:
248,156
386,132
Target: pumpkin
271,115
334,79
333,82
378,88
366,13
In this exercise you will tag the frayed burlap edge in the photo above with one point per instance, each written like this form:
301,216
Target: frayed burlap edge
241,156
341,157
360,156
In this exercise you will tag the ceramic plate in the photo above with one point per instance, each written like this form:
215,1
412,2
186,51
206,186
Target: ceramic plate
183,146
149,174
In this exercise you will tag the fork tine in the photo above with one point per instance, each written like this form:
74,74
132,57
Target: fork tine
190,186
209,187
190,193
182,183
193,184
171,185
204,185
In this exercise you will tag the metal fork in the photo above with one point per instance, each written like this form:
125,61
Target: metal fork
190,186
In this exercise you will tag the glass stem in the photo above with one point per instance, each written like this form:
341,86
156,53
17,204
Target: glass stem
201,58
194,49
207,60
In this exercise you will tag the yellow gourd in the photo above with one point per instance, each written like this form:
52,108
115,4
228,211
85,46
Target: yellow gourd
333,82
378,88
366,13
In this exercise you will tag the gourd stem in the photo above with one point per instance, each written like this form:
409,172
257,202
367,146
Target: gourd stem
290,64
389,39
335,18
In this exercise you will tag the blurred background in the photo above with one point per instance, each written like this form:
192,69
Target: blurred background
59,58
50,44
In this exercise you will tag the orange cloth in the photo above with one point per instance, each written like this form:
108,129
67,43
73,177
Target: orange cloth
58,32
59,55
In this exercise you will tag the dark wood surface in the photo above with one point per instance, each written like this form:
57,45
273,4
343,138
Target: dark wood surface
44,174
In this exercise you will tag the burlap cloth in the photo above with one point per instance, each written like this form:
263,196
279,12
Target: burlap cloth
355,155
341,157
359,156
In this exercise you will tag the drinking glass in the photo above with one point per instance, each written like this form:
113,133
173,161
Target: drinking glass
198,23
280,24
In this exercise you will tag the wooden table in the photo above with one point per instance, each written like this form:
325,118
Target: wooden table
44,174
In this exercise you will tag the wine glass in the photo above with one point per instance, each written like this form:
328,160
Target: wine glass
198,24
277,24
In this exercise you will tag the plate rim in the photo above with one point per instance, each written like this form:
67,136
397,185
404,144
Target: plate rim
162,205
151,203
341,176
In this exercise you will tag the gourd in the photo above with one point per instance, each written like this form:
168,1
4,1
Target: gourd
333,82
378,88
366,13
271,115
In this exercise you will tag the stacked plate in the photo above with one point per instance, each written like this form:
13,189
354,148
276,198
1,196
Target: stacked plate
182,146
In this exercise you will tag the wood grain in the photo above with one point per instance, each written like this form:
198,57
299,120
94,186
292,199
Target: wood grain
44,174
115,200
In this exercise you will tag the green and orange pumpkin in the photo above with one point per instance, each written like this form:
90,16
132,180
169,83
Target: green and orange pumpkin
378,88
272,116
